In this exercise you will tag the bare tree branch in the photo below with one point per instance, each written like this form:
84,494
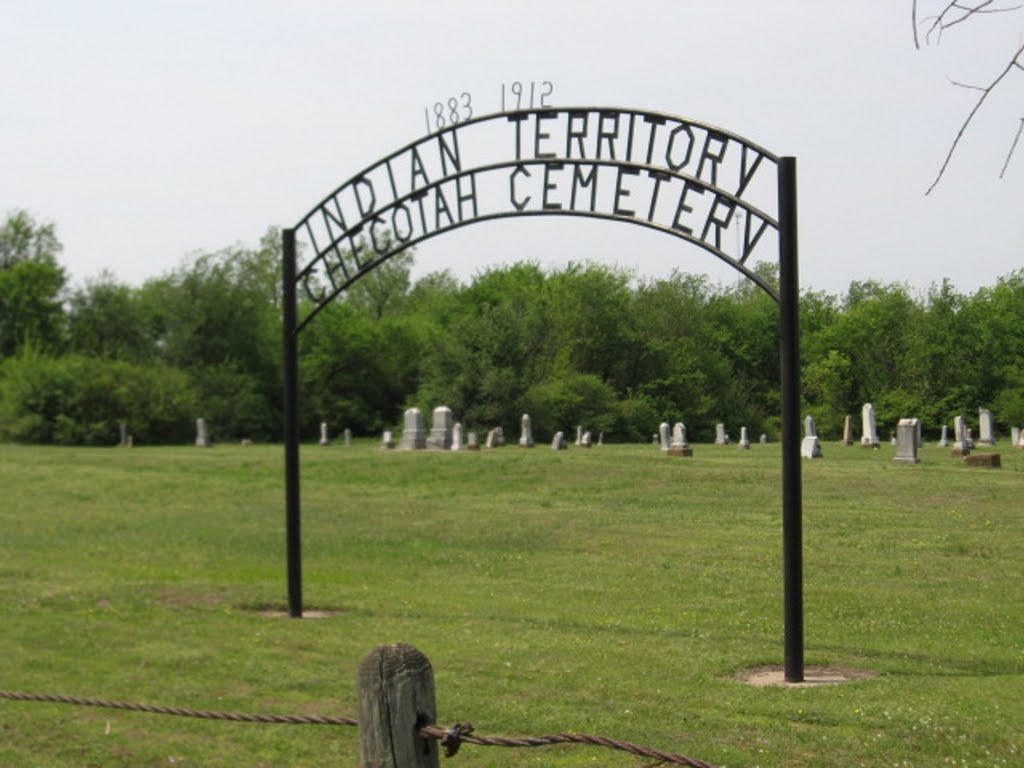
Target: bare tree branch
1020,129
953,13
985,92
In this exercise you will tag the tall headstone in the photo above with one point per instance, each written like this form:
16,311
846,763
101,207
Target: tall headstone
457,437
847,431
472,442
1015,436
961,445
721,438
122,427
579,435
558,443
744,439
387,442
986,427
413,433
679,446
526,432
600,438
944,440
907,441
810,448
869,431
348,437
663,431
441,428
324,439
586,441
202,434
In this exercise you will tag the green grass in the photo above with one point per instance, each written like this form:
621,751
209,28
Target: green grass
614,591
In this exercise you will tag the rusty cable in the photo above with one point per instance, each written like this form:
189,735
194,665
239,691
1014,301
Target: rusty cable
450,738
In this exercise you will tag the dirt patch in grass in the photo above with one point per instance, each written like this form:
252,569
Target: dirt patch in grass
760,677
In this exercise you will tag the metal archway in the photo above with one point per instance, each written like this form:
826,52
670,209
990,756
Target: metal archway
690,180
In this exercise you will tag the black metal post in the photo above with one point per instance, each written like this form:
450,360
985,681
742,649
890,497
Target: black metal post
792,502
291,425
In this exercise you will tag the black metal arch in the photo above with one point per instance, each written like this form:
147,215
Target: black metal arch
436,171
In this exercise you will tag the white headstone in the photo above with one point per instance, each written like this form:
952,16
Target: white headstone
764,439
679,436
1015,436
558,443
868,432
663,431
961,445
944,440
457,437
441,428
579,434
324,439
472,442
413,437
810,447
744,439
906,441
586,441
348,437
202,435
721,438
986,427
388,440
526,433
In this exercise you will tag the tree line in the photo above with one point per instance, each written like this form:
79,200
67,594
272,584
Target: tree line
586,344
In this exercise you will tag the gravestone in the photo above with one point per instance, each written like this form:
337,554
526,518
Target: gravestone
1015,437
721,438
413,435
558,443
679,446
986,427
457,437
324,440
961,447
122,427
495,438
744,440
441,429
202,435
810,448
847,431
600,438
472,442
907,441
388,440
868,431
663,431
892,439
944,440
969,436
993,460
764,439
526,433
586,441
348,437
579,434
655,440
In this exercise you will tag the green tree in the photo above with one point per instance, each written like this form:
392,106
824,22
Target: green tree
31,283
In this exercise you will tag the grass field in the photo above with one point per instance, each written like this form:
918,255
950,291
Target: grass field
613,591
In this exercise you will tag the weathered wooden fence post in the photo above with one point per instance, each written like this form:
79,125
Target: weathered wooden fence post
396,699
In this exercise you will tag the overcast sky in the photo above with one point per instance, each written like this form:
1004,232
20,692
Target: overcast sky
149,131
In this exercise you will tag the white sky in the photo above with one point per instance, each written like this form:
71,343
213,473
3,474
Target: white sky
151,130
